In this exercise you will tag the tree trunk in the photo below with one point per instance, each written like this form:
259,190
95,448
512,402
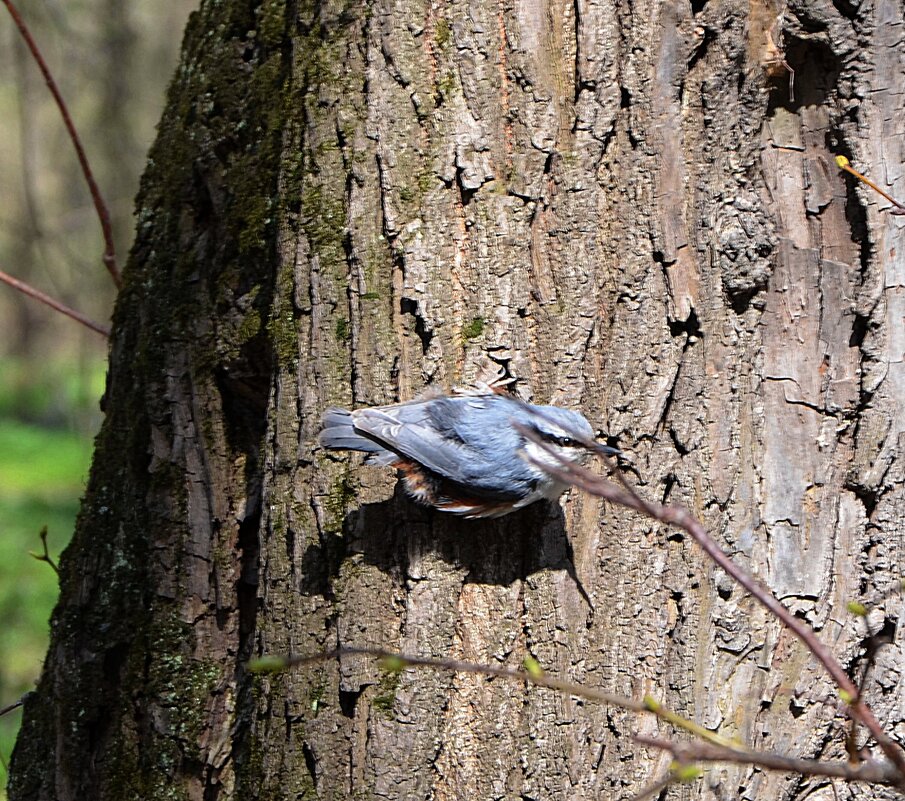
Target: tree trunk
625,205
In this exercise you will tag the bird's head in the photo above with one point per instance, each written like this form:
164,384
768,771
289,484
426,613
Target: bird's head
560,430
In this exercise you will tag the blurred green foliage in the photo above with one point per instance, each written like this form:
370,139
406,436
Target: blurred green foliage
47,413
42,473
56,393
112,60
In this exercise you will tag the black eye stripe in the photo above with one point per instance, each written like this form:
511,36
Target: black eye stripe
565,442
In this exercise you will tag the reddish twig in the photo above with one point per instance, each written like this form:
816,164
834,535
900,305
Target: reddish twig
14,705
27,289
532,674
716,749
654,789
874,772
581,477
395,662
45,557
843,164
109,256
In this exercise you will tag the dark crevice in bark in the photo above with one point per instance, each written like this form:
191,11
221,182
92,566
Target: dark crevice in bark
352,305
847,9
701,50
310,763
605,141
741,300
466,194
868,496
667,405
690,327
859,330
669,482
244,385
394,377
321,560
410,306
874,641
348,700
247,587
212,789
573,574
816,69
680,447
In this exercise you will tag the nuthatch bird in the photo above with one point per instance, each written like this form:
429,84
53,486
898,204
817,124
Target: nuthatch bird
462,453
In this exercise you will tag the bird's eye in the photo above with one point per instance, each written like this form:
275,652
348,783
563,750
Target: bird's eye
566,442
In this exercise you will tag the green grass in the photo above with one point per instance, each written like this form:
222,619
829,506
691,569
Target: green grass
58,392
42,474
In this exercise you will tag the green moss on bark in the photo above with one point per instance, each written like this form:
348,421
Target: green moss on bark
385,697
122,698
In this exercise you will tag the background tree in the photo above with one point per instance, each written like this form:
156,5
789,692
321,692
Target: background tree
51,371
113,80
628,208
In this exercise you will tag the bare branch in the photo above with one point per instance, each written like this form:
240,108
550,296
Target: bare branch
45,557
715,749
109,256
584,479
843,164
872,771
654,789
27,289
533,674
14,705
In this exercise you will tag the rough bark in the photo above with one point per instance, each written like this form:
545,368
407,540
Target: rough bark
623,204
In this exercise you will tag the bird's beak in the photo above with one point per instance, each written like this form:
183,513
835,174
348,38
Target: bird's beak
604,449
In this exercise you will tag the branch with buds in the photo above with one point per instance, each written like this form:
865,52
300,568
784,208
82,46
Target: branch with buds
843,164
622,493
708,746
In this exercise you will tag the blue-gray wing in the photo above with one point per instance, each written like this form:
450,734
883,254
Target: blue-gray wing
462,440
407,430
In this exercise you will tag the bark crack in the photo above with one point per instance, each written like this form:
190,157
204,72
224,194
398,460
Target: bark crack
822,410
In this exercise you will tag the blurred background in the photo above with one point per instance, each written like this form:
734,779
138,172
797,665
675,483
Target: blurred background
112,60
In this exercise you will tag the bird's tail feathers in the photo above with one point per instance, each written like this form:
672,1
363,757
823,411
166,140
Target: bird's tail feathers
338,434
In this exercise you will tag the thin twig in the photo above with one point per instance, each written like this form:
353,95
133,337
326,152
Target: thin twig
715,749
109,256
843,164
27,289
45,557
395,661
654,789
584,479
874,644
14,705
871,771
